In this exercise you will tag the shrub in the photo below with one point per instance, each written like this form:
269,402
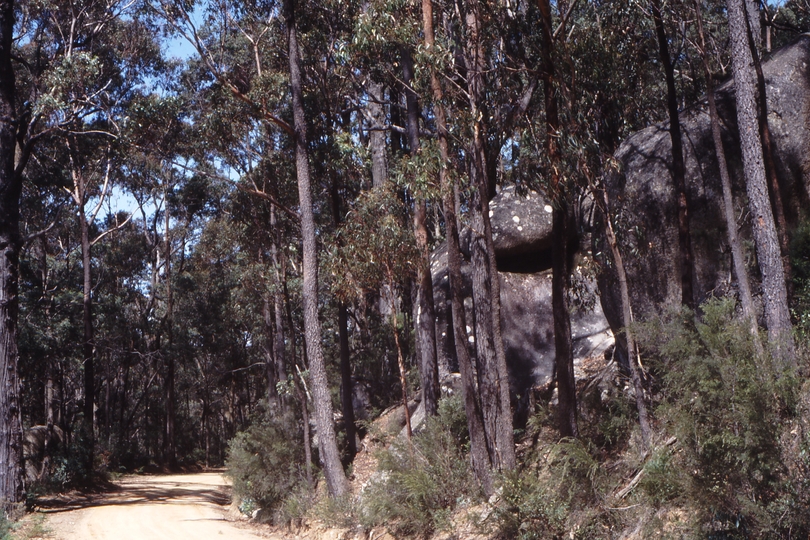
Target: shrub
266,462
725,402
559,494
421,482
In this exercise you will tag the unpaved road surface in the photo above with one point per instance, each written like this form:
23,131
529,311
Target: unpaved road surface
175,507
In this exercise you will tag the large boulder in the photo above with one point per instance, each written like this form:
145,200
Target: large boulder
522,236
643,199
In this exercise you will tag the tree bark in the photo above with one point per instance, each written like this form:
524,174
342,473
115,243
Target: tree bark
774,291
329,454
563,347
88,346
478,446
678,167
168,355
425,316
738,259
493,378
627,322
11,470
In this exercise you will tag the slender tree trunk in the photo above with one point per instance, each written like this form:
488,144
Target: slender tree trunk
563,347
88,346
279,351
425,313
493,378
678,167
765,235
11,469
738,259
168,354
627,322
475,424
330,456
346,383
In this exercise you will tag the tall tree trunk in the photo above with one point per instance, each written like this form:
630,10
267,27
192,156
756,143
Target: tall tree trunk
11,478
493,378
767,242
425,318
87,344
678,167
738,259
170,451
329,454
777,204
279,351
346,383
475,424
563,347
627,322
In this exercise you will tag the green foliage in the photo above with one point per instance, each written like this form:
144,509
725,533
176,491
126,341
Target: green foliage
558,493
421,482
266,463
374,247
724,402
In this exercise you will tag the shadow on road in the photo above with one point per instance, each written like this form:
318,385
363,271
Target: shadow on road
139,490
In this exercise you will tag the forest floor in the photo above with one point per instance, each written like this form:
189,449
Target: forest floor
157,507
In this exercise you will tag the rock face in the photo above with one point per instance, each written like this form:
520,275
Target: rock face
643,200
522,236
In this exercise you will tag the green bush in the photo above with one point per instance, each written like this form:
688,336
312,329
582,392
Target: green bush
266,463
421,482
553,498
725,402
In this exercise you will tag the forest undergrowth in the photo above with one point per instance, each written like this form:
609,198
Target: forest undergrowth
730,457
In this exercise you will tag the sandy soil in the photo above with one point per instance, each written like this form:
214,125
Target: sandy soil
176,507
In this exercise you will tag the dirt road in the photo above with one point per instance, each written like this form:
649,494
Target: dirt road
177,507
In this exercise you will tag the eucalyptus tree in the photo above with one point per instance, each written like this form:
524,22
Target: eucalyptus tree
775,299
11,486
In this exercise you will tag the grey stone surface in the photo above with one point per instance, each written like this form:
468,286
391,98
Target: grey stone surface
523,227
643,199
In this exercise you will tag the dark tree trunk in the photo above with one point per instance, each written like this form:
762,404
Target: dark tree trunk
563,356
11,480
170,451
475,424
678,168
493,379
425,313
329,454
346,384
765,235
